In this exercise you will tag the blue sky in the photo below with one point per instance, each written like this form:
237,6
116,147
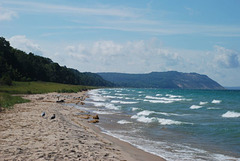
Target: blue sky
138,36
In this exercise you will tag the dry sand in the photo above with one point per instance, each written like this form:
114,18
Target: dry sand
26,135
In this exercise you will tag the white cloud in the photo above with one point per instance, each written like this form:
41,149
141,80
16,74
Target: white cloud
22,43
55,8
6,14
132,56
106,48
227,58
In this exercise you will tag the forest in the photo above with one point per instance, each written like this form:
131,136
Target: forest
17,65
170,80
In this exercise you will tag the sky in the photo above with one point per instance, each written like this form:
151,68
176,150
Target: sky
130,36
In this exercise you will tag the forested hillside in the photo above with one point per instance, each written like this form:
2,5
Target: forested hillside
171,79
19,66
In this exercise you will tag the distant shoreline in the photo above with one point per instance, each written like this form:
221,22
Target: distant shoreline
232,88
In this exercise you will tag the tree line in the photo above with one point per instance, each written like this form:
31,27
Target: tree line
19,66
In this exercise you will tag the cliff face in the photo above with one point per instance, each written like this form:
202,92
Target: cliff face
172,79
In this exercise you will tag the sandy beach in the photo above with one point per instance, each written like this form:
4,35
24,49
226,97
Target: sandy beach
26,135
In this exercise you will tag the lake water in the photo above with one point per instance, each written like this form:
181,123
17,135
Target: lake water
174,124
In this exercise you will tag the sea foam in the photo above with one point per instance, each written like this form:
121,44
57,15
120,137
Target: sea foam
195,107
103,112
145,113
123,102
143,118
203,103
110,96
135,109
166,99
173,96
97,104
231,114
168,121
213,108
216,101
158,101
124,122
97,98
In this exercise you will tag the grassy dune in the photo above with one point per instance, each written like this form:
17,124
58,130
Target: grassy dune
7,100
41,87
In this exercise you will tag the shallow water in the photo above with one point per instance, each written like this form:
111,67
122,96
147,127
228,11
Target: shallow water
174,124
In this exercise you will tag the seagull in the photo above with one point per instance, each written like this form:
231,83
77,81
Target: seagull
43,114
53,117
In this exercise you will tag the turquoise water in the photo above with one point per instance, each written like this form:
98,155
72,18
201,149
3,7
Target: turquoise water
174,124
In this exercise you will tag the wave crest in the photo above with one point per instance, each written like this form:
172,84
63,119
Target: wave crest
231,114
195,107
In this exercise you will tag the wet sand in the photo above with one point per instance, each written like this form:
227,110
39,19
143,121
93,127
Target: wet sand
26,135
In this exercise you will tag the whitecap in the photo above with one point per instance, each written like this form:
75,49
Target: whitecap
119,94
213,108
143,119
158,94
104,92
216,101
145,113
231,114
173,96
124,122
158,101
162,121
115,101
93,92
123,102
112,106
203,103
170,114
151,97
106,105
135,109
168,121
96,104
195,107
97,98
165,99
110,96
119,97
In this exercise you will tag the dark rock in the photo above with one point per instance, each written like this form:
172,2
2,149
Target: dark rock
95,117
61,101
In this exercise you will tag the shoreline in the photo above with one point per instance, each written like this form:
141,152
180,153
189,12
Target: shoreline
26,135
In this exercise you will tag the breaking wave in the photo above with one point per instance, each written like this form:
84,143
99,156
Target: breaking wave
216,101
195,107
124,122
231,114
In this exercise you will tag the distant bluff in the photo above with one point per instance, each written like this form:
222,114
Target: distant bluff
169,80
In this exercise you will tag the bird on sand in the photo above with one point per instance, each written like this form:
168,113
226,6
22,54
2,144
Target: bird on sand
53,117
43,114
